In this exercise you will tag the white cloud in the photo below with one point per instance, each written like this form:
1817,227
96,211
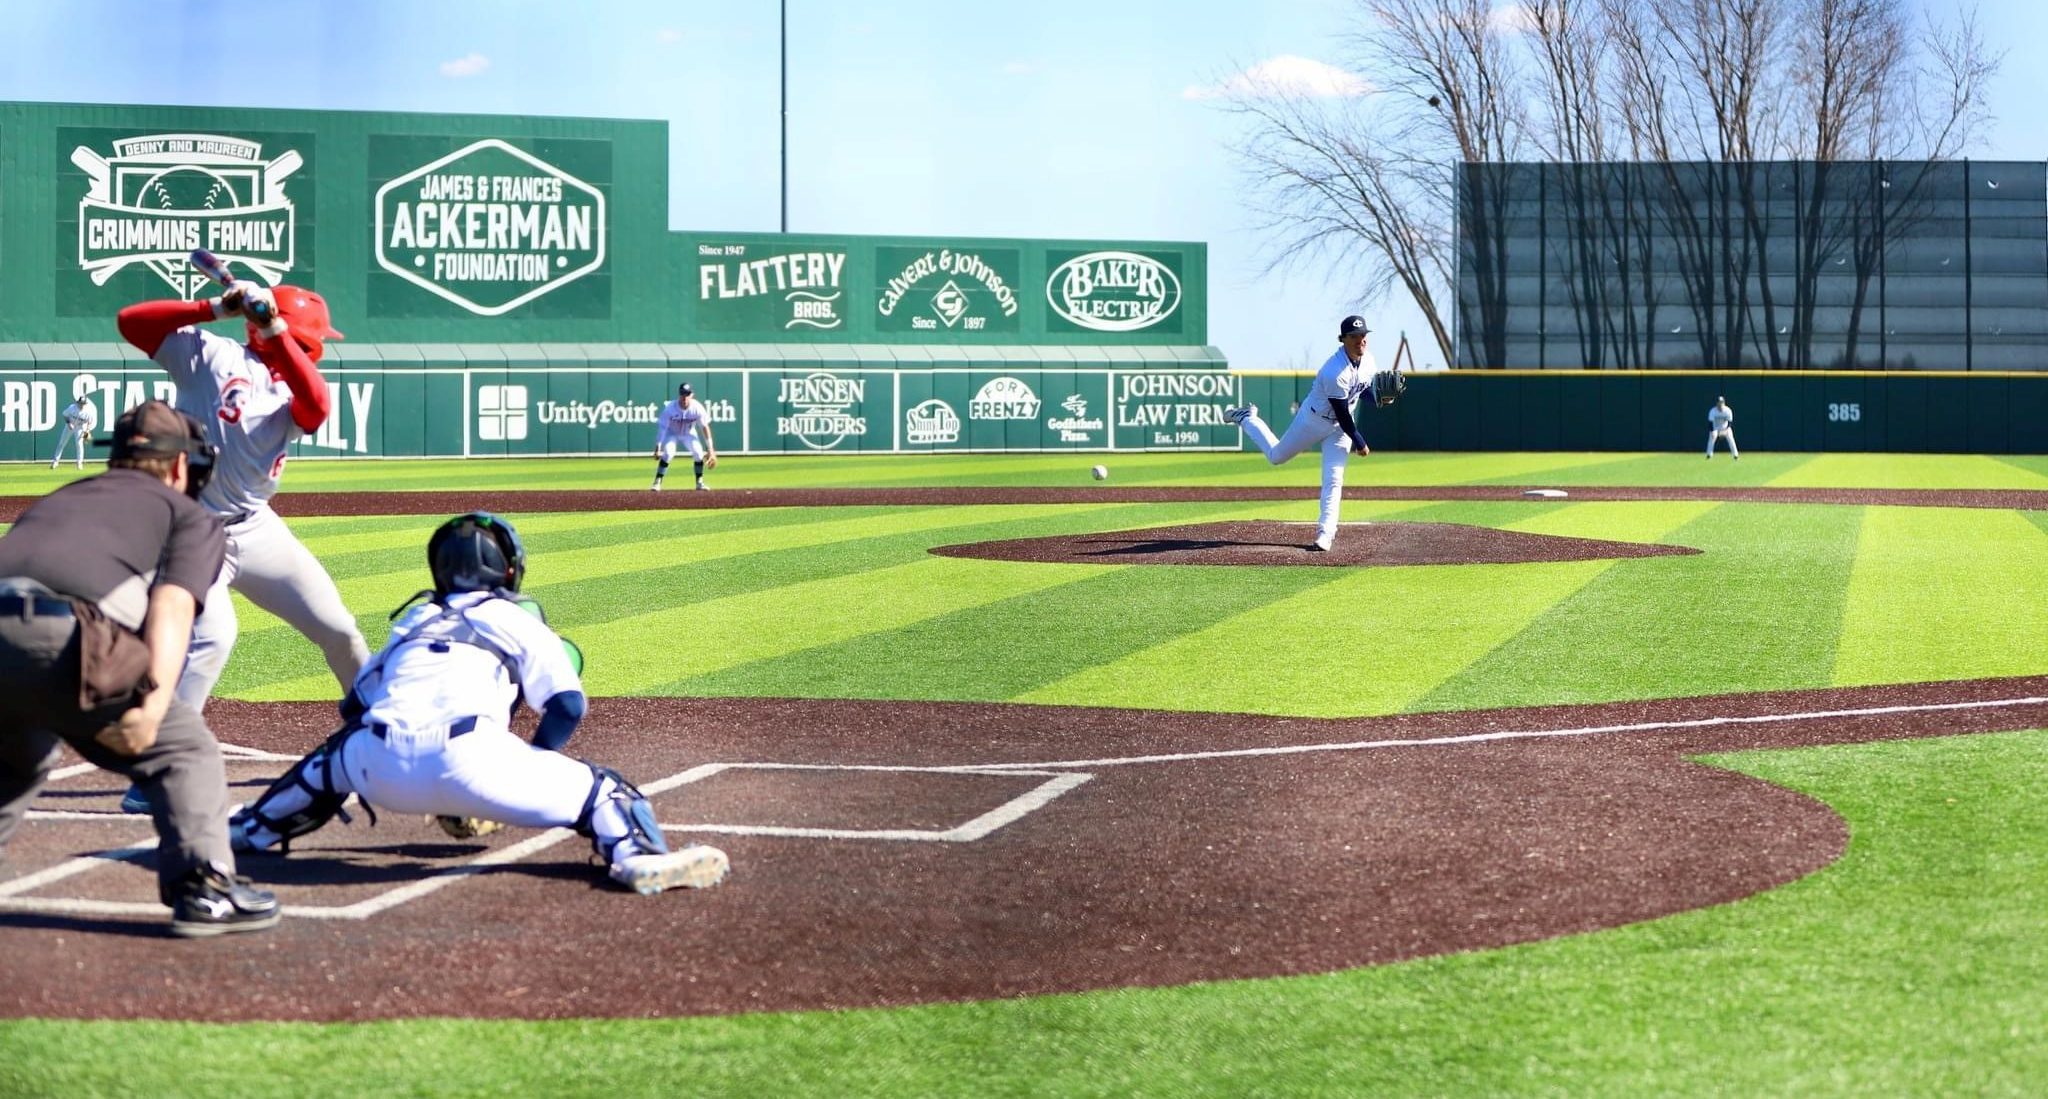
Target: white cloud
465,66
1513,19
1286,75
668,36
1017,68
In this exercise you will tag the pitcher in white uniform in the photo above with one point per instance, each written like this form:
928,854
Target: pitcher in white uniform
428,726
255,398
680,422
1324,420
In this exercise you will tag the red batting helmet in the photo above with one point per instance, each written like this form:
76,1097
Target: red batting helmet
306,312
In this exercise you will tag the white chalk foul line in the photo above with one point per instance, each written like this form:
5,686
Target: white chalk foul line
1031,800
1480,738
234,752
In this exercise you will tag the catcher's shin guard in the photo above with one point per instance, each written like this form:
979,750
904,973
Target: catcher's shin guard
299,802
616,811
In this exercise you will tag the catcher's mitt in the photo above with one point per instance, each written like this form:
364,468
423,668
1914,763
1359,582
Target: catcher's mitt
1387,387
467,828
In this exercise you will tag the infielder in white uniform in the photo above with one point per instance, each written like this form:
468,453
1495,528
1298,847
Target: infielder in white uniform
1325,420
679,423
254,399
1721,425
80,417
428,726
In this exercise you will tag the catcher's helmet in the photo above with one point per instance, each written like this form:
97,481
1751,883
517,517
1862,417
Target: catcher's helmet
475,552
306,312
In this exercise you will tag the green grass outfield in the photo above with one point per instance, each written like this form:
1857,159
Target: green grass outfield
1915,965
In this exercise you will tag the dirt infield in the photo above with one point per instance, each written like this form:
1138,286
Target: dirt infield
1376,544
898,853
513,502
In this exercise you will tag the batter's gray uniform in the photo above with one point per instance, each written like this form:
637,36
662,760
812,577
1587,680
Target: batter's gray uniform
247,413
80,417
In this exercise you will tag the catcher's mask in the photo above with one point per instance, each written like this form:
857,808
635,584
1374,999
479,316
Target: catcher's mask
306,312
475,552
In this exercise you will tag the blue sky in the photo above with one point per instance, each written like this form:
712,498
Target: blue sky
1057,118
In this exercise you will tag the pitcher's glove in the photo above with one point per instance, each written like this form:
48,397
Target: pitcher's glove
1387,387
467,828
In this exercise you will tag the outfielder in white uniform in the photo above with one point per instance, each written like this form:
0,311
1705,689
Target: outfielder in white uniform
80,417
1324,420
428,726
680,422
254,399
1721,425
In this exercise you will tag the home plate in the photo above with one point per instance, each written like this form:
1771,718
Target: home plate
1547,493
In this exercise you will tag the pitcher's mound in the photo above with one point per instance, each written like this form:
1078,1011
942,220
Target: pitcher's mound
1274,543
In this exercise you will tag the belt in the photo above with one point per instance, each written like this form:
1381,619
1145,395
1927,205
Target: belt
237,518
44,606
456,728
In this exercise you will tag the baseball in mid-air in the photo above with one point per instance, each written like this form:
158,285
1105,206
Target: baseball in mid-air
1100,473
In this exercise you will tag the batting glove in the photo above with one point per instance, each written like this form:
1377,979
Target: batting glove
250,300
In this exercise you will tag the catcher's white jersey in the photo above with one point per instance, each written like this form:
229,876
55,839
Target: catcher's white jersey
1339,379
246,410
678,422
470,658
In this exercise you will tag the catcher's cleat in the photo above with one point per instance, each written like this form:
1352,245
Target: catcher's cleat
1240,415
696,866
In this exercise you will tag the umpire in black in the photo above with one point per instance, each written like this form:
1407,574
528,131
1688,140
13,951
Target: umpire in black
99,583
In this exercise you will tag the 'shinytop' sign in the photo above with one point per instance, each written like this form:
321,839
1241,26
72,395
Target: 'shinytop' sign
158,197
490,227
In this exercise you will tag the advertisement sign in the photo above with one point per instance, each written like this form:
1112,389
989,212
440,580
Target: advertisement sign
133,205
947,289
1168,411
752,286
488,226
1114,291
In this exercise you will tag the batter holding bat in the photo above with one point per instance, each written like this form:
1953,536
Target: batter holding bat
255,398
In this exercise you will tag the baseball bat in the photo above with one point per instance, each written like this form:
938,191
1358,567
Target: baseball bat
212,267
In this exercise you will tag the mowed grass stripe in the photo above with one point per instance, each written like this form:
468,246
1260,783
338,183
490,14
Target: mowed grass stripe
1945,594
1686,468
672,652
1004,649
1758,610
1910,471
272,662
1373,640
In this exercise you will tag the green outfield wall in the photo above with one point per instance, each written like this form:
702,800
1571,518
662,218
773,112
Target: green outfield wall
479,261
1974,413
410,401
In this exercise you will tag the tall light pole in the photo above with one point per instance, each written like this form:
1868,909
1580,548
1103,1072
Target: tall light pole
785,115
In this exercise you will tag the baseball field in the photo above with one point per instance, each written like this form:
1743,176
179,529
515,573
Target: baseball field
1700,778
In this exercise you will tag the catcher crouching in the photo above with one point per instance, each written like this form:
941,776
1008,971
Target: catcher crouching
428,727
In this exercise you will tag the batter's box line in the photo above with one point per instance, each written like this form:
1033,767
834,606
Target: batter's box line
1032,800
231,752
11,900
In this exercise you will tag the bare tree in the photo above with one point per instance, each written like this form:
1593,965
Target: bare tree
1660,120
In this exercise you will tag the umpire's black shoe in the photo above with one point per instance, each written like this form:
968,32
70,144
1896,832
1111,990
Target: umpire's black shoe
212,902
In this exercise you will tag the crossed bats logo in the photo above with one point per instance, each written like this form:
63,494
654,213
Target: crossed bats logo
162,195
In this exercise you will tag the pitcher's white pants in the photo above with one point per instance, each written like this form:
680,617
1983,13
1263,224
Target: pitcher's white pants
276,571
1309,430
